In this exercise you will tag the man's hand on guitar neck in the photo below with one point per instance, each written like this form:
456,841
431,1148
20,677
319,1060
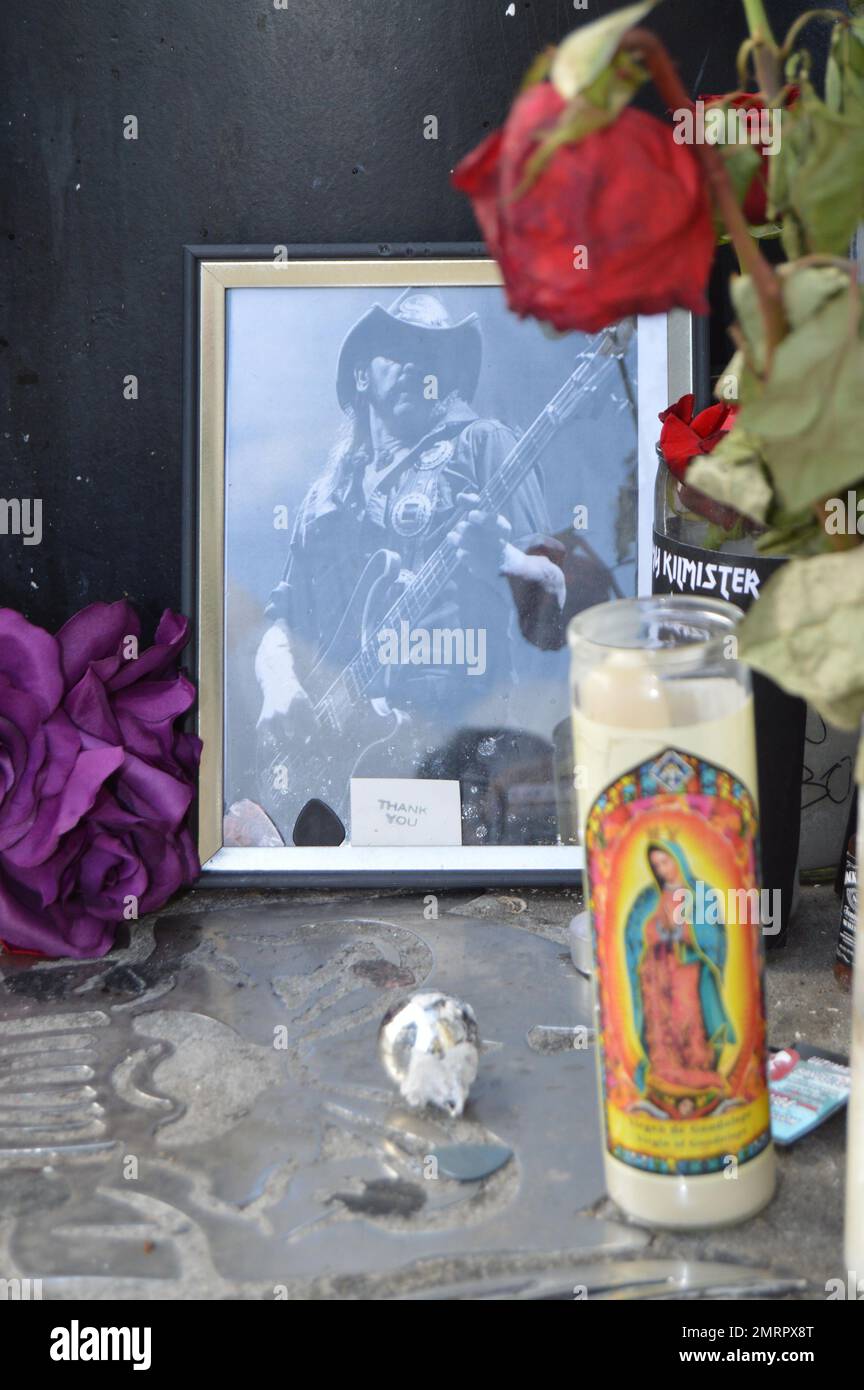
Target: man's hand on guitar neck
482,542
285,702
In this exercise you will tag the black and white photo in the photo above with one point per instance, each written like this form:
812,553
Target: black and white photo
419,491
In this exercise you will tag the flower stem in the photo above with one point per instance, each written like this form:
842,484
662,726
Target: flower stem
757,20
751,260
766,55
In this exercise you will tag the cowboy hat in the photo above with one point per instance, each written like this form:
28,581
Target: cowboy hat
415,323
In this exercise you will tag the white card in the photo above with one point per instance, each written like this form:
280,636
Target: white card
405,811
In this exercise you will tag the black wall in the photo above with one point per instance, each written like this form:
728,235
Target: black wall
256,124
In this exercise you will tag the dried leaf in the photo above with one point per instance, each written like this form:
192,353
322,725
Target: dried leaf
805,633
794,533
738,383
807,422
816,180
844,78
734,475
538,70
745,300
808,417
589,49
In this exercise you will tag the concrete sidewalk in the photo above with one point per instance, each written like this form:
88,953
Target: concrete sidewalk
202,1115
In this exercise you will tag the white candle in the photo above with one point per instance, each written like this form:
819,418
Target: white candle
666,779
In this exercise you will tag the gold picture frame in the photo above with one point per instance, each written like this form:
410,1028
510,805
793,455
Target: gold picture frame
665,346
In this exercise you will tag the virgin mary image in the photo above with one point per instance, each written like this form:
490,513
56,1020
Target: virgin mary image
675,968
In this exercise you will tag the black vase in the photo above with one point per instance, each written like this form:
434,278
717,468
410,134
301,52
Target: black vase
715,555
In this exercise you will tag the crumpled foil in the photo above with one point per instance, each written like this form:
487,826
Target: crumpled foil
429,1046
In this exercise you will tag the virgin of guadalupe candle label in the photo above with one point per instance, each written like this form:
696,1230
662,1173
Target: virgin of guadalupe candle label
672,869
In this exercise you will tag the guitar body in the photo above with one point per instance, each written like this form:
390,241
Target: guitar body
321,762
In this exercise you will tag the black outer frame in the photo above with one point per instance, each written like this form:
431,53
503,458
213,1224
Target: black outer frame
193,257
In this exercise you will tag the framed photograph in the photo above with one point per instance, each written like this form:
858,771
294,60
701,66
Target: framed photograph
398,494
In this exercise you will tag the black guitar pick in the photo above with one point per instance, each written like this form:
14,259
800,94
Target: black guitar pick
318,824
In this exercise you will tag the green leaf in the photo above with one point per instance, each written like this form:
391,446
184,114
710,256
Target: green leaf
804,632
734,475
589,49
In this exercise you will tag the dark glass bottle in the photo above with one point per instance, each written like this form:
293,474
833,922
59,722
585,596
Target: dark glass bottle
847,885
703,548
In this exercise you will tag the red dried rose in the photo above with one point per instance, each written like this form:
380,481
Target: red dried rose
627,194
755,205
683,436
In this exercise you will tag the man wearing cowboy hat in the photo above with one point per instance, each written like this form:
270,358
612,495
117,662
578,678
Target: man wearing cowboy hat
411,454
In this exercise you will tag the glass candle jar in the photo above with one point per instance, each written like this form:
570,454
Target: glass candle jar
665,774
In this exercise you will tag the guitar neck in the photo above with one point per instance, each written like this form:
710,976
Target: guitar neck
348,688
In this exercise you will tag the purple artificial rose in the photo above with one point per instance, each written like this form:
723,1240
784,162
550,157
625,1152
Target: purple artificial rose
117,845
113,866
49,776
116,694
